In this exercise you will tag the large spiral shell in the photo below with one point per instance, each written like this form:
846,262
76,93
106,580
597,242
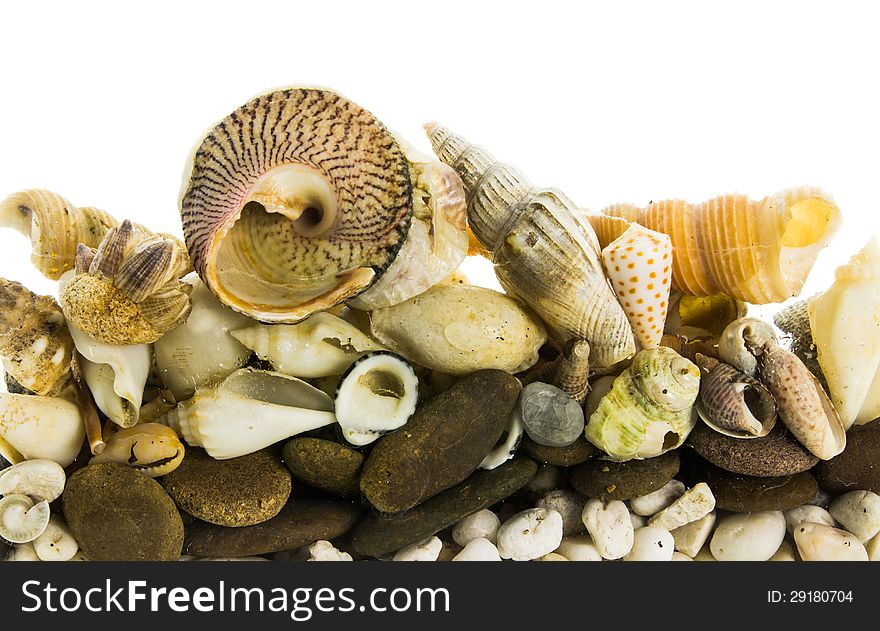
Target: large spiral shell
296,201
756,251
54,226
544,250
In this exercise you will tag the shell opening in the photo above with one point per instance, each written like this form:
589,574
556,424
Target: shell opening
383,384
670,441
810,219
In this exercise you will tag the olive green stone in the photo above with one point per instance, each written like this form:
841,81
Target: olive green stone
118,514
747,494
576,453
776,454
325,465
443,442
858,467
610,480
236,492
379,535
300,523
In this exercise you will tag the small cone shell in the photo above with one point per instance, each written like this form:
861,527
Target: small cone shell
54,226
639,265
845,323
756,251
573,370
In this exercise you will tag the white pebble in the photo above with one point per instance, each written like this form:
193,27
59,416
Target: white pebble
818,542
785,553
690,538
22,552
552,556
580,548
873,548
482,524
637,521
651,544
569,504
858,512
653,503
326,551
478,549
748,536
424,550
678,556
530,534
695,503
705,554
794,517
610,527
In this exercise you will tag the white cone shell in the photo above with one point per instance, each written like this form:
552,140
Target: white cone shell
42,427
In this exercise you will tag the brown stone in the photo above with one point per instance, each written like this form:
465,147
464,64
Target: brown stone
610,480
576,453
858,467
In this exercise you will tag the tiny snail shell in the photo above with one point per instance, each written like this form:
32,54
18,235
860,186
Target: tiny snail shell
733,403
742,341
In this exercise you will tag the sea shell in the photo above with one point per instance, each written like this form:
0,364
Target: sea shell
649,409
129,291
296,218
845,323
116,375
201,352
733,403
151,448
544,250
250,410
459,329
376,395
802,403
638,264
437,241
755,251
743,341
54,226
702,316
690,348
794,322
49,428
573,371
34,341
319,346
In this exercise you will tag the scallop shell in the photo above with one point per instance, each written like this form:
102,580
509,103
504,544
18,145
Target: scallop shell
250,410
545,252
638,264
649,409
150,448
34,341
733,403
296,201
437,241
845,323
802,403
755,251
54,226
129,291
319,346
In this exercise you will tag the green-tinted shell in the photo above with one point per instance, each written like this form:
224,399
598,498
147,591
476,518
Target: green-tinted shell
649,409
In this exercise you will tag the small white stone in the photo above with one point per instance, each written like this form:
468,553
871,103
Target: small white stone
22,552
818,542
547,478
637,521
530,534
326,551
873,548
57,542
695,503
785,553
859,513
794,517
678,556
482,524
690,538
478,549
580,548
705,554
552,556
569,504
653,503
424,550
748,536
651,544
610,527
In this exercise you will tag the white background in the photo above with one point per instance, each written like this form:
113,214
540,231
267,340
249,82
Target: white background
610,102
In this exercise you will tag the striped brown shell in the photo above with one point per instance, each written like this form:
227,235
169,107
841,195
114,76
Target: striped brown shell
343,228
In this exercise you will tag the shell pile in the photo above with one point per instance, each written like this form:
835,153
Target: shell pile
316,309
